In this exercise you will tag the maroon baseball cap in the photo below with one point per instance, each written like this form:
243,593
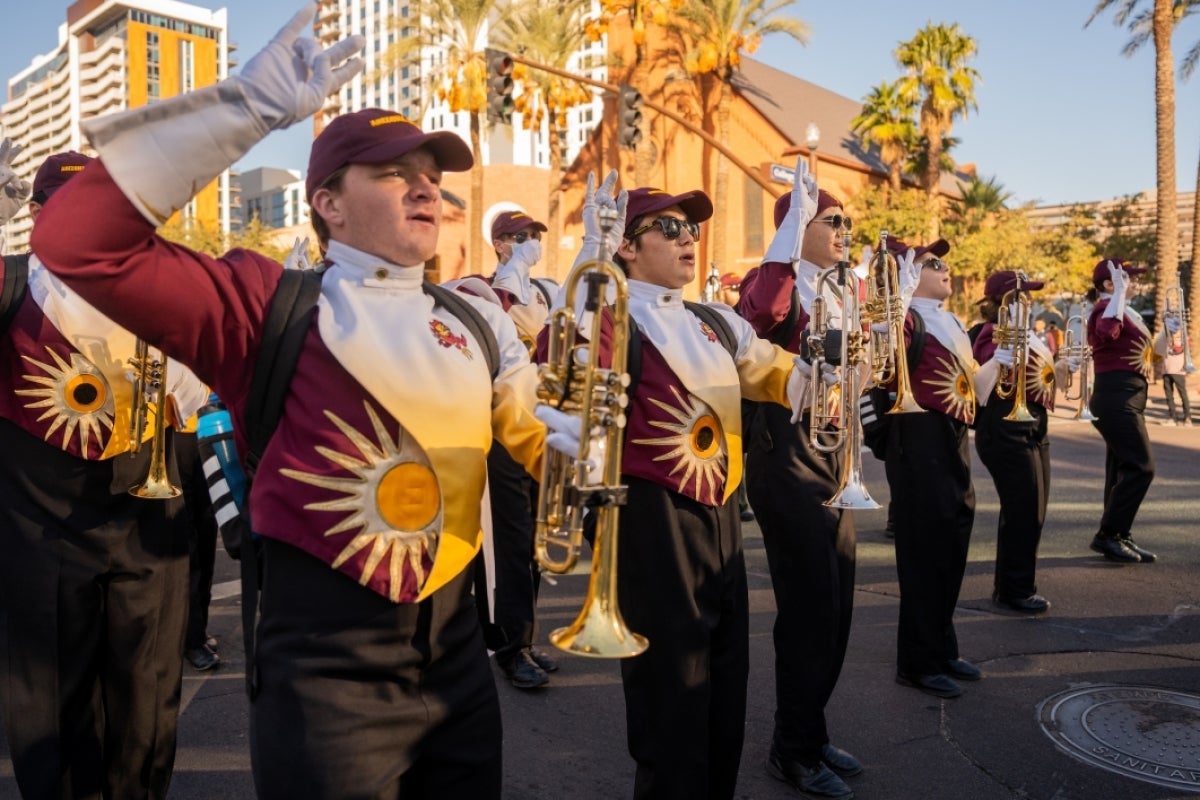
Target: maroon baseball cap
645,200
507,222
54,172
783,204
374,135
731,279
1100,272
1001,283
898,248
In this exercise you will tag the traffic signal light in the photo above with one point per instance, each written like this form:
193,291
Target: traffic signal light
499,86
629,116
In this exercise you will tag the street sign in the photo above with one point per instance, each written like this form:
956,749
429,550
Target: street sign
782,174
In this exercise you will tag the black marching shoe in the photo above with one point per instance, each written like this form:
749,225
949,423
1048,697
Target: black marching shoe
963,670
1111,546
523,672
543,659
819,781
937,684
1033,604
841,762
747,514
202,658
1142,553
212,643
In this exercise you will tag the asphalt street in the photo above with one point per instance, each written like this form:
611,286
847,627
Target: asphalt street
1099,698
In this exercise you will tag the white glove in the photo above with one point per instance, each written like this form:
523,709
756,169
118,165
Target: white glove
513,275
14,192
161,154
1120,281
593,200
785,246
297,258
797,388
1003,356
909,273
564,437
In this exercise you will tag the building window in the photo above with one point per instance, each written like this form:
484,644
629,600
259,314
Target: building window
152,64
187,65
752,221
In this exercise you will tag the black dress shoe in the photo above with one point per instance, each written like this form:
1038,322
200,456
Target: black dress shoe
963,670
1142,553
937,684
543,659
1034,604
202,658
523,672
819,781
747,515
1114,549
840,761
212,643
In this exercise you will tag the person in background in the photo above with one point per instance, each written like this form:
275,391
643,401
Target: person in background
731,289
1175,376
199,649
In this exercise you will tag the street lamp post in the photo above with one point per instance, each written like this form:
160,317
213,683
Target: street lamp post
812,138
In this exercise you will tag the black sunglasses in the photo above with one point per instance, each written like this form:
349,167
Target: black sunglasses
837,221
524,236
936,264
671,228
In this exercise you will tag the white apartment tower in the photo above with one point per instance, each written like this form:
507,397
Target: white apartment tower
382,22
112,55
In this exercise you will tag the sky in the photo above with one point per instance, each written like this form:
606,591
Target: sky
1062,115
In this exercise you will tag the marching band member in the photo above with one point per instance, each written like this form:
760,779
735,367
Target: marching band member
95,580
371,677
1122,356
681,568
929,472
1016,453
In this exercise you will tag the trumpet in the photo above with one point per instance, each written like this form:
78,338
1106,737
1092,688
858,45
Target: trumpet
712,285
1176,308
150,380
1012,330
1078,348
825,435
889,360
573,381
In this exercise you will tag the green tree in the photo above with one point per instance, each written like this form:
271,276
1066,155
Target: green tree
981,201
939,77
1157,24
718,32
887,121
1125,235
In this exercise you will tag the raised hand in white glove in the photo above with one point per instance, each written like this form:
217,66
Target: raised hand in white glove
1120,282
289,79
785,245
593,201
1003,356
297,257
564,437
14,192
513,274
909,273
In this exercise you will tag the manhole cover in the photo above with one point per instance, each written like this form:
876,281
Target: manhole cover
1141,732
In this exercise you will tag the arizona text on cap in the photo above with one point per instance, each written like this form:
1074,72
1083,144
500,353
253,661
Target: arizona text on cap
1100,272
372,136
898,248
54,172
645,200
1001,283
509,222
783,204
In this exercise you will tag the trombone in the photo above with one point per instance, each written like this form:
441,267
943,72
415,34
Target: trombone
1176,308
573,381
825,434
150,380
1012,330
1077,347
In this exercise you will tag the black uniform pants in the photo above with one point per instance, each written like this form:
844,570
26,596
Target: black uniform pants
363,698
1119,404
929,471
811,554
1172,383
1017,454
511,627
682,584
95,599
202,538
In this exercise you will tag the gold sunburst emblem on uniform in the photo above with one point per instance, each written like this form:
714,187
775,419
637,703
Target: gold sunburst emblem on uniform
393,503
695,442
1042,386
954,387
76,397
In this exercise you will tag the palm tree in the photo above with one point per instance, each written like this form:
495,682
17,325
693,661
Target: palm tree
938,77
718,32
1157,24
886,120
1186,68
550,34
981,200
459,29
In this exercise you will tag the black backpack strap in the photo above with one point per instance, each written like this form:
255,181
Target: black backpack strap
469,316
543,291
917,345
715,321
16,279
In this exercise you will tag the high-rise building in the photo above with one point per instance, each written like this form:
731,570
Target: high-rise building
113,55
273,196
